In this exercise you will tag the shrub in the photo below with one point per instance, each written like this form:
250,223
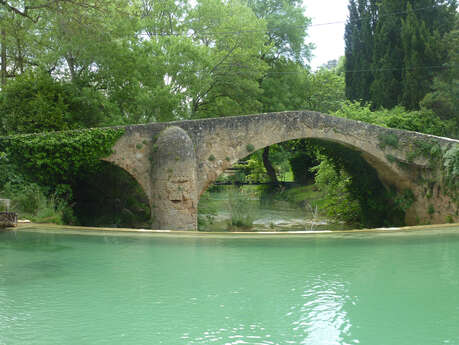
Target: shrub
339,202
424,120
30,201
390,140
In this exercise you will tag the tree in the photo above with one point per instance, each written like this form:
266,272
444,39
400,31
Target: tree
359,37
285,86
220,74
423,54
393,50
14,45
286,29
30,29
443,99
408,58
387,59
286,53
35,102
325,91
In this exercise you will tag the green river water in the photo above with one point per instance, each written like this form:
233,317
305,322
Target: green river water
386,288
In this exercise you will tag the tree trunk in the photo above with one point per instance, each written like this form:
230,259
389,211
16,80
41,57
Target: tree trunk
20,57
3,56
269,168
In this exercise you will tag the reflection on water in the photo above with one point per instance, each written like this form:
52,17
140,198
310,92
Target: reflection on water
386,288
323,315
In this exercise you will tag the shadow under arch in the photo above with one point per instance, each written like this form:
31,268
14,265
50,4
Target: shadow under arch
108,195
387,174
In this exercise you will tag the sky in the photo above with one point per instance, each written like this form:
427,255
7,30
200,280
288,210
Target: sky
328,39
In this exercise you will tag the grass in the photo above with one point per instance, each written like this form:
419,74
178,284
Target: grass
298,195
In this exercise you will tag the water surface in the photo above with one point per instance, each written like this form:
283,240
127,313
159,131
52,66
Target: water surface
379,289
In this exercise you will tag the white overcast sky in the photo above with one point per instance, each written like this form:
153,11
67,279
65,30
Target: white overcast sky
328,39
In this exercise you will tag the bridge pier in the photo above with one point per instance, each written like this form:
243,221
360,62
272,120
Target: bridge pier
173,195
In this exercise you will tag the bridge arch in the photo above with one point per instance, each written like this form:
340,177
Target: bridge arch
110,196
367,171
230,149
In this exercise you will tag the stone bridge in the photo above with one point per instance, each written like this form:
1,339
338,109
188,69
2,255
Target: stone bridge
175,162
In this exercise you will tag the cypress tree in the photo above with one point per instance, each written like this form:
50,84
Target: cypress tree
423,53
359,49
417,54
351,38
387,55
443,99
400,42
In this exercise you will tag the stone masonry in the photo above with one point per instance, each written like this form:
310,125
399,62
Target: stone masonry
175,162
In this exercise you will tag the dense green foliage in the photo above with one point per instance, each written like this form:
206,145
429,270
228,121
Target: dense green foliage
56,158
451,165
356,193
443,99
424,121
335,182
40,172
359,53
36,202
145,60
35,102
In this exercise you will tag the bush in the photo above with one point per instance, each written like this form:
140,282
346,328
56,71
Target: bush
29,200
255,171
451,165
339,203
424,120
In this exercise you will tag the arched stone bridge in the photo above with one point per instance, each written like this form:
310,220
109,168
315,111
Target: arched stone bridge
175,162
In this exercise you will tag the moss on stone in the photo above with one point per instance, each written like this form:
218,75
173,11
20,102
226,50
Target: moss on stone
388,139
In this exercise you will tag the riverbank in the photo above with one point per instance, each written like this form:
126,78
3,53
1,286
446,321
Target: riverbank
53,228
